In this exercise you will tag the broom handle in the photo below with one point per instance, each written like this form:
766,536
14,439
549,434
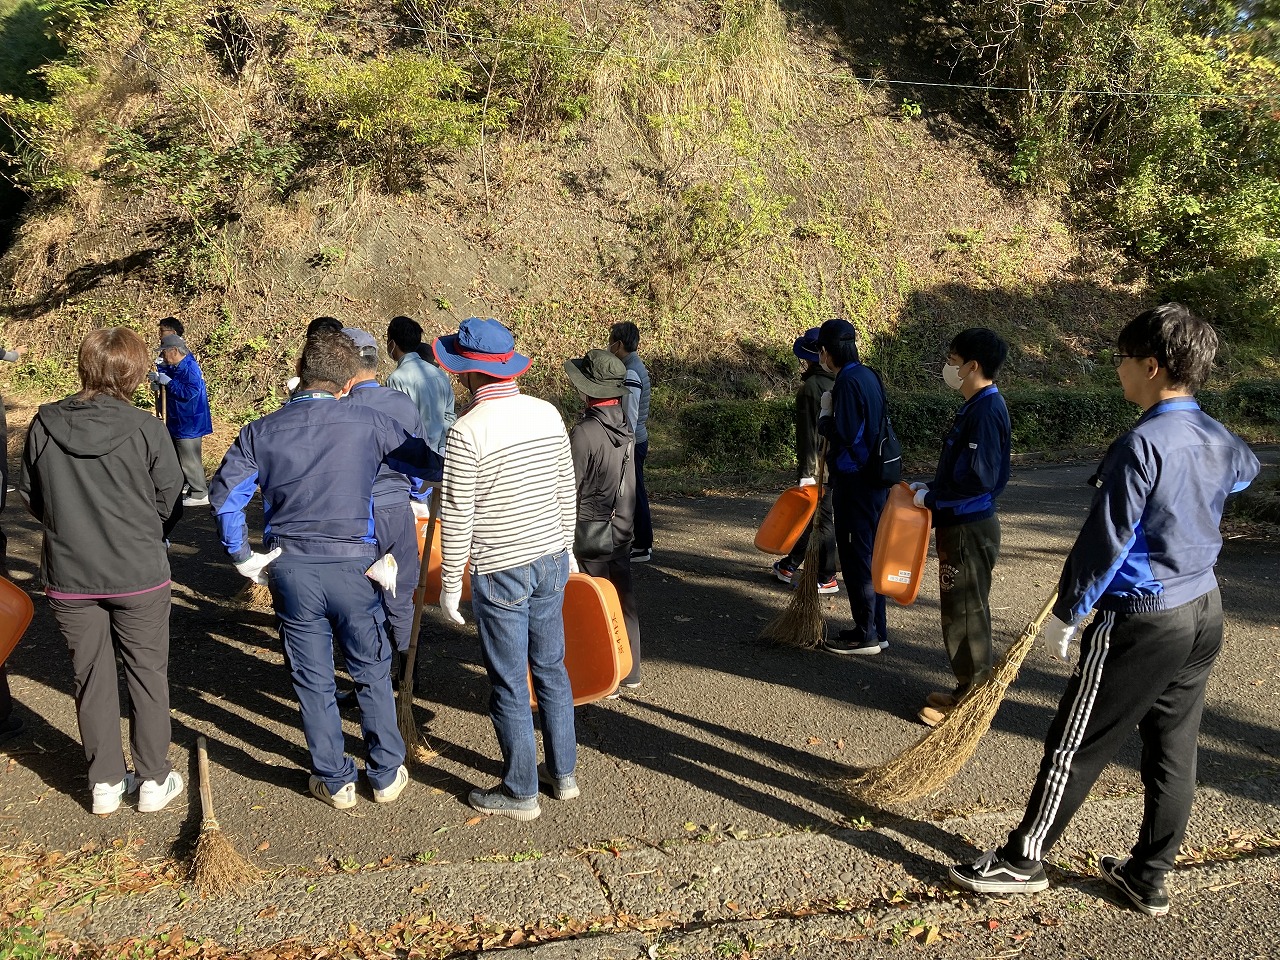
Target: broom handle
411,655
164,404
206,791
1034,626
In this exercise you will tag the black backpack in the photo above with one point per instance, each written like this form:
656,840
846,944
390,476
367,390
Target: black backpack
884,453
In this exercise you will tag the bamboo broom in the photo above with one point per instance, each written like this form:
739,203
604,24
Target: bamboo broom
216,868
937,756
414,746
801,623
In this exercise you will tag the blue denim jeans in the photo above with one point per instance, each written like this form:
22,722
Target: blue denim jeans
519,615
318,599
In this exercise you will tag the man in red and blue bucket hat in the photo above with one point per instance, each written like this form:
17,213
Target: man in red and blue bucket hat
509,502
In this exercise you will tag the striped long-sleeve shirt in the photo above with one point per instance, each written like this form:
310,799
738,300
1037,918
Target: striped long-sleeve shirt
508,496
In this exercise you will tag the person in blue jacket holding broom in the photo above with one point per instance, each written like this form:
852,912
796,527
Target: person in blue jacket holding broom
973,470
1143,563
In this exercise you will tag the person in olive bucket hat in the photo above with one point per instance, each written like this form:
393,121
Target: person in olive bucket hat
603,447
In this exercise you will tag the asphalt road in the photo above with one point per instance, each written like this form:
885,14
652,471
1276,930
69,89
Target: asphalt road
728,744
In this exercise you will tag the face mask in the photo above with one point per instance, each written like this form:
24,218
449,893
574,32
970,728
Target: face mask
951,376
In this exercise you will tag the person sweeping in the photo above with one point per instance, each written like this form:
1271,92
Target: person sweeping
315,460
1143,561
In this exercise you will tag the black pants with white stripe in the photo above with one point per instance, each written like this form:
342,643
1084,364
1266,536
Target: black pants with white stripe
1147,670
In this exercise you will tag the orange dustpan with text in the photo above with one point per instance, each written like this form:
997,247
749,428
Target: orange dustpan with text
597,653
902,544
16,612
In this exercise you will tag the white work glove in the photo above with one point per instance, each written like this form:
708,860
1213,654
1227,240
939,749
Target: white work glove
156,377
291,384
825,404
917,485
449,600
421,511
1057,635
384,572
921,491
808,482
255,568
573,563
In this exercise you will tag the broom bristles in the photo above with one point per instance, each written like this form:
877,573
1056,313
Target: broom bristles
413,743
217,868
937,756
256,597
801,624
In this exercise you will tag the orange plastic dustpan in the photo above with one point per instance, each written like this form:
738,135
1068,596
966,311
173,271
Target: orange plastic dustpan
433,568
902,543
16,612
597,653
786,519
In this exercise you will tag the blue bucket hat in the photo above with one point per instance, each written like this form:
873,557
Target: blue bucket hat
481,345
806,346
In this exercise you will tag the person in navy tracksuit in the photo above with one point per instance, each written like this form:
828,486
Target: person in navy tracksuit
186,413
849,417
315,461
1144,562
973,470
393,516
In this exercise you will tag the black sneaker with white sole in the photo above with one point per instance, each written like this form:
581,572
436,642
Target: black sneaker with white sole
847,645
990,874
1153,901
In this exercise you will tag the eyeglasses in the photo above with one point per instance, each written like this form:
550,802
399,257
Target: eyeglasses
1119,358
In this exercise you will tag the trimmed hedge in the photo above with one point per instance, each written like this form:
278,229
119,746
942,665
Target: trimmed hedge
746,435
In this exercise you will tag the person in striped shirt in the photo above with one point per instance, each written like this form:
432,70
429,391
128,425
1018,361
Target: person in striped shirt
509,502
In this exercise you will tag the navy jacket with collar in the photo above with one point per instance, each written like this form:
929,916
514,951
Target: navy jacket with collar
315,460
1151,539
858,403
973,468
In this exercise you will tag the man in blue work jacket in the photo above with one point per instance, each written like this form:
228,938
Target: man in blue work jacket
315,461
393,516
186,413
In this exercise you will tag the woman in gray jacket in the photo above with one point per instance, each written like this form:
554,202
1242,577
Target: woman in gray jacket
102,478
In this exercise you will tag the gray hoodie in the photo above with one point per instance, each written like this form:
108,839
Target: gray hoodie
103,479
600,441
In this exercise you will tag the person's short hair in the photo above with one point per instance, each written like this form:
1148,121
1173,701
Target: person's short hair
839,338
405,333
172,324
983,345
112,361
328,360
1180,341
627,334
324,325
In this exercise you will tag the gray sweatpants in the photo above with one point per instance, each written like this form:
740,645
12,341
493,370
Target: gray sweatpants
192,463
137,627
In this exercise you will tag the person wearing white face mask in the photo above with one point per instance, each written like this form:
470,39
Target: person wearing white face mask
973,470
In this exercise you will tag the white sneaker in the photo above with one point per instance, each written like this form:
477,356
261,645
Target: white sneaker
387,794
196,501
107,797
154,796
344,799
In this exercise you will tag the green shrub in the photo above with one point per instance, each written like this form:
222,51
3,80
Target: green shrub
759,434
739,434
1047,418
395,112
